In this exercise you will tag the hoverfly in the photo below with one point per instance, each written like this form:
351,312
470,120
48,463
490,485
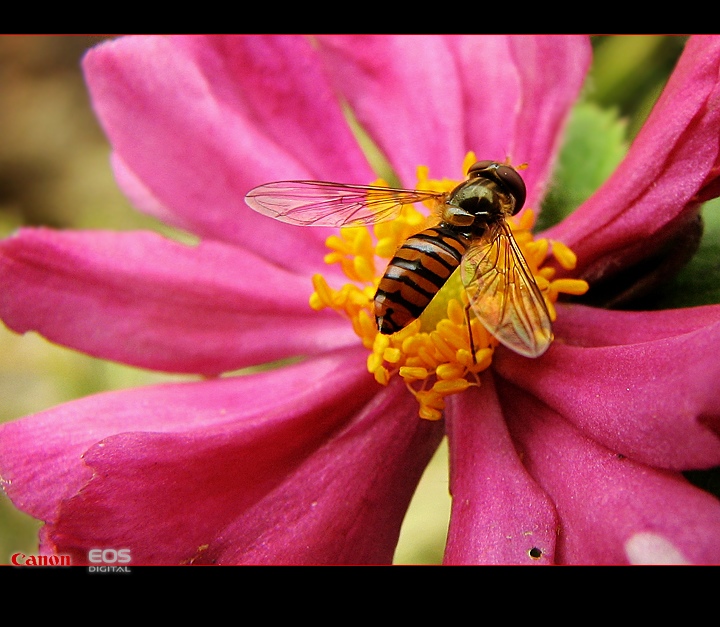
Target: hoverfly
471,232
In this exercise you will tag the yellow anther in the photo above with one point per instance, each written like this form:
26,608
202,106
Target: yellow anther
367,324
469,160
362,243
428,413
334,257
456,312
374,361
416,362
408,331
348,267
576,287
359,298
547,272
537,251
386,247
413,374
337,243
431,399
464,358
411,345
451,387
322,289
566,257
382,376
442,346
450,371
483,359
422,173
453,335
381,343
542,282
427,357
525,220
364,269
392,355
523,238
551,310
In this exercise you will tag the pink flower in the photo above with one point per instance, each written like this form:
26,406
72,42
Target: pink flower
574,457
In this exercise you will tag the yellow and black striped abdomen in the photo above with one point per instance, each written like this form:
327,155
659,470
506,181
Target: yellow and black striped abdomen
418,270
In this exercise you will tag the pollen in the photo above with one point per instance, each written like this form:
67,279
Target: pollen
443,352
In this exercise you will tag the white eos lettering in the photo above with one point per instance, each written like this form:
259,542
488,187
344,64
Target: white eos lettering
109,556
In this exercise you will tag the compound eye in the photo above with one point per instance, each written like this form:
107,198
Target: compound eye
514,184
480,166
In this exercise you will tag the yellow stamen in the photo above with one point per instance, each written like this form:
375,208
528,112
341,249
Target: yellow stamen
566,257
433,354
576,287
413,373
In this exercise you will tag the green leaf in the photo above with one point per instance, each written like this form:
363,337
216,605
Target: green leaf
698,283
594,144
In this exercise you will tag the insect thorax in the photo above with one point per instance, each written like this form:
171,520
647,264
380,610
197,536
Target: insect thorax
483,199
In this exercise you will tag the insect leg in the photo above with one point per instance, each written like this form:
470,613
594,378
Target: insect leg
470,335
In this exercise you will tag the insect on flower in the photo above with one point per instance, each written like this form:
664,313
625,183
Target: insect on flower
469,229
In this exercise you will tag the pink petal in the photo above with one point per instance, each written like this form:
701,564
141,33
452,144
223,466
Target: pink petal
346,503
670,167
405,92
293,248
517,94
612,510
485,66
643,384
145,300
277,82
280,467
552,71
430,99
196,122
499,514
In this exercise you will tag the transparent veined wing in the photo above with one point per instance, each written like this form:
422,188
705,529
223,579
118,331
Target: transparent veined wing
322,203
504,295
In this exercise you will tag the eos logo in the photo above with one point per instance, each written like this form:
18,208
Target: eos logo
109,556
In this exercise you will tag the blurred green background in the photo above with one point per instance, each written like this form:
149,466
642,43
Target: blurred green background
54,171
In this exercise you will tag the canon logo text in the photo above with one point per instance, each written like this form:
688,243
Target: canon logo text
20,559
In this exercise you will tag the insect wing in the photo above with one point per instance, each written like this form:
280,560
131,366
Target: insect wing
321,203
504,295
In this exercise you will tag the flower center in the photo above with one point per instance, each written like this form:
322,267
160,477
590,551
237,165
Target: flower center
444,350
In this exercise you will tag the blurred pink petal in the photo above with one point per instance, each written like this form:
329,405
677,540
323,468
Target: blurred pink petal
672,161
499,514
145,300
607,504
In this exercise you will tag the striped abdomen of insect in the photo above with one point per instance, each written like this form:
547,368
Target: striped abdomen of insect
420,267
